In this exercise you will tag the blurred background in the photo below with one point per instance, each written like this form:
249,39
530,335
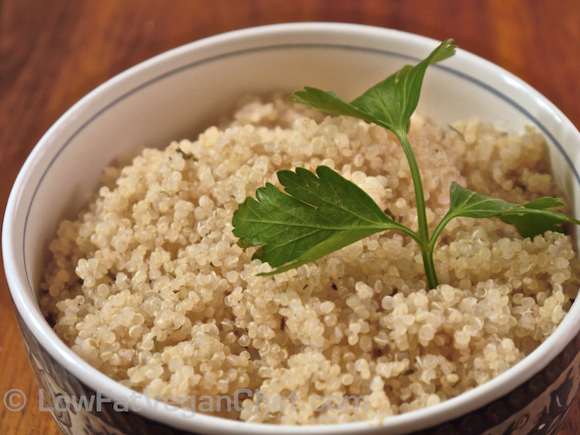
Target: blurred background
52,53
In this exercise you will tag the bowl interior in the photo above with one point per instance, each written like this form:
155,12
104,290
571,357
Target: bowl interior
179,93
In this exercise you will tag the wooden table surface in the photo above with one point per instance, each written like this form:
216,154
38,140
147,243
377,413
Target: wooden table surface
54,52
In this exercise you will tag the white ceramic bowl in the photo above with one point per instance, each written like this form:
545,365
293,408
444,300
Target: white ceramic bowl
178,94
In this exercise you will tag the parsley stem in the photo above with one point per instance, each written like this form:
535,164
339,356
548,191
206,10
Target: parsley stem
439,229
426,248
429,267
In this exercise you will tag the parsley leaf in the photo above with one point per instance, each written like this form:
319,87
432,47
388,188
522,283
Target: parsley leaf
389,103
318,214
531,219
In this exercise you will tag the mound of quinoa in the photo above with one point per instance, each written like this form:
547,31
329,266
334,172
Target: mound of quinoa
150,287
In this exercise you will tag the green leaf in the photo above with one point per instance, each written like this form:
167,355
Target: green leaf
389,103
318,214
531,219
329,102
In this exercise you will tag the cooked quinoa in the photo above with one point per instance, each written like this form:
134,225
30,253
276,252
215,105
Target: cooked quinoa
150,287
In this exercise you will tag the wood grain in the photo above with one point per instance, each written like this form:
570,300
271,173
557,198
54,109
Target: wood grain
53,53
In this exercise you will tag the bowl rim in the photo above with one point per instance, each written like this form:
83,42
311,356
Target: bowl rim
27,307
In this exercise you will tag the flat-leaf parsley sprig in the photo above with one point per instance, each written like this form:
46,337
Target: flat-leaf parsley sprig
319,213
